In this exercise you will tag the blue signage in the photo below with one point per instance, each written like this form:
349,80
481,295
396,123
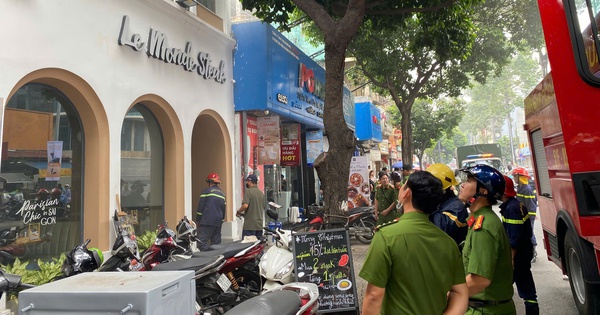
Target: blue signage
272,74
368,122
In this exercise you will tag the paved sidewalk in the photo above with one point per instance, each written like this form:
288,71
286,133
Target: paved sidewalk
359,254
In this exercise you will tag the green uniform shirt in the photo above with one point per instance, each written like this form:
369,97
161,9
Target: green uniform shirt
253,216
416,263
487,254
385,197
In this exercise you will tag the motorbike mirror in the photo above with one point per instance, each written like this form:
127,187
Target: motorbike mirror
273,214
226,298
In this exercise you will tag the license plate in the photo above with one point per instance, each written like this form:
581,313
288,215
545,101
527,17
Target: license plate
224,282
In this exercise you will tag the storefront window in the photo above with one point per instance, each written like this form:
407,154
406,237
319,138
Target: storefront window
41,176
142,169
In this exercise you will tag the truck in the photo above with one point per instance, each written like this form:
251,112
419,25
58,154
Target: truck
483,153
561,121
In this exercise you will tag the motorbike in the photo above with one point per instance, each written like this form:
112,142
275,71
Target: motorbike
9,249
277,264
9,210
125,255
299,298
81,259
10,283
360,223
162,250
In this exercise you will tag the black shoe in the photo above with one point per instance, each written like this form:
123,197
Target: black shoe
534,256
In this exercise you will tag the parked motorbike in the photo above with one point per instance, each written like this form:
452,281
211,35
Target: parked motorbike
81,259
9,210
9,249
299,298
277,264
360,222
10,283
162,249
125,253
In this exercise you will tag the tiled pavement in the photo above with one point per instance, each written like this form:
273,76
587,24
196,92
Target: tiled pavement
359,253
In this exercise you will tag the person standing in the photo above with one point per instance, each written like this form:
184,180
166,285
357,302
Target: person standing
253,208
211,213
526,196
407,169
486,253
516,223
385,201
68,193
412,267
451,215
372,185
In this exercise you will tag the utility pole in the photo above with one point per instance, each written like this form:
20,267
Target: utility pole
510,135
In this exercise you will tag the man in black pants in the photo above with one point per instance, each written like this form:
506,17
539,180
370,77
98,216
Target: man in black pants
211,213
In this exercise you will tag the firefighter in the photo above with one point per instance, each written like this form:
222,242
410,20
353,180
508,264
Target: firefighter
515,218
526,195
211,213
486,253
451,215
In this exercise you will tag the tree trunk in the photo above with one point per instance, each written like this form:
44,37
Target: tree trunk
407,156
333,166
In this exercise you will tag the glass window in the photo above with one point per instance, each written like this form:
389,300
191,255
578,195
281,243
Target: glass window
209,4
41,176
142,169
583,16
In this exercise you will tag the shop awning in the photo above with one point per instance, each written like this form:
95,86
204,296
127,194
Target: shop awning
15,178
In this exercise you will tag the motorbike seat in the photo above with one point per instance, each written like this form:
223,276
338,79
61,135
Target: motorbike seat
187,264
284,302
359,210
228,251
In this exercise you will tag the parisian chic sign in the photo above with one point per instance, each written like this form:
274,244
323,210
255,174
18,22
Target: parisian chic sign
157,46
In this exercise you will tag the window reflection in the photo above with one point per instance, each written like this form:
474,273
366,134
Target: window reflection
142,170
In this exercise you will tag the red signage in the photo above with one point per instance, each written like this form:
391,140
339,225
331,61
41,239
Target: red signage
290,145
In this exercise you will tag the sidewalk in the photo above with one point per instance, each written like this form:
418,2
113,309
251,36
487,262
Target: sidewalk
359,254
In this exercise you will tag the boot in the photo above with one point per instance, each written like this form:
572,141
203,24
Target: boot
532,308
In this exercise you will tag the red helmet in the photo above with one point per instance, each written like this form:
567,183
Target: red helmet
509,191
56,192
213,178
520,171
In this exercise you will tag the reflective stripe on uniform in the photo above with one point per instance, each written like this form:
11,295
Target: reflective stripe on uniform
515,221
455,219
212,195
531,301
526,196
533,214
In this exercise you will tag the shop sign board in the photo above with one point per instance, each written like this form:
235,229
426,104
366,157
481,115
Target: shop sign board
314,145
290,145
368,122
157,46
268,140
359,190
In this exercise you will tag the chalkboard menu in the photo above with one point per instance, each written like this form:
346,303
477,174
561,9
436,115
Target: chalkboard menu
325,259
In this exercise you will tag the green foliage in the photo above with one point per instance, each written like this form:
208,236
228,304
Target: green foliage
46,272
146,240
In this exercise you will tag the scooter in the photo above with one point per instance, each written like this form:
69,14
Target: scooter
125,253
277,264
299,298
81,259
360,222
162,249
9,249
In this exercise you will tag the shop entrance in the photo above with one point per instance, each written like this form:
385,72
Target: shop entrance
283,185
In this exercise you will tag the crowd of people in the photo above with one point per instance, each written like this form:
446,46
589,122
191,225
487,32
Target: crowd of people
439,251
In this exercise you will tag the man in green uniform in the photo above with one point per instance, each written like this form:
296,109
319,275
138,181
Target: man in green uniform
412,266
487,254
385,200
253,208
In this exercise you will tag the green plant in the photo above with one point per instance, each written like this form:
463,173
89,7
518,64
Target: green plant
46,271
146,240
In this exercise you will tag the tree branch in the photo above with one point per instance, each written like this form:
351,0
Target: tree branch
409,10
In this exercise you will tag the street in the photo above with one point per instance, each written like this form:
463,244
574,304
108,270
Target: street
554,293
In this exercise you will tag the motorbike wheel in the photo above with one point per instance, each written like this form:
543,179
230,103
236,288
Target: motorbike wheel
368,223
202,303
248,279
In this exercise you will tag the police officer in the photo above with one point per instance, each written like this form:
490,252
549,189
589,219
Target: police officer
517,226
526,195
385,200
451,215
211,212
412,267
486,253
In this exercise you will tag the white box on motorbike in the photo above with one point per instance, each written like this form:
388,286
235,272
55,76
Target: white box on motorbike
103,293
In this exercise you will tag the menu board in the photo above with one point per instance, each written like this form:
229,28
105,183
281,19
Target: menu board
325,259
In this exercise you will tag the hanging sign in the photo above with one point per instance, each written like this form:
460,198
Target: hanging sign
314,145
54,160
268,140
358,183
290,145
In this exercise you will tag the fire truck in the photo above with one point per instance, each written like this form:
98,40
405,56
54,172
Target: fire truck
563,126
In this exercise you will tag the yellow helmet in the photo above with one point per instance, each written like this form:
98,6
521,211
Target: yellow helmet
443,173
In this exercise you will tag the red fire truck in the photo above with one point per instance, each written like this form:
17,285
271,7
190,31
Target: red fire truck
563,126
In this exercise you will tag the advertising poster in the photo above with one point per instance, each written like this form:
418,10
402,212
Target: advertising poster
290,145
358,183
268,140
252,163
54,160
314,145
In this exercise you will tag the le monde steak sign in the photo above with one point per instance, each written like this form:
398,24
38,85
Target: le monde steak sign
158,47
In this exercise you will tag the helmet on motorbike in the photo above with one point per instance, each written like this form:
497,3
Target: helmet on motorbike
395,176
510,187
43,193
443,173
521,171
56,192
213,178
489,178
98,256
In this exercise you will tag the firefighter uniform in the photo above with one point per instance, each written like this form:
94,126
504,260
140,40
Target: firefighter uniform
526,195
451,217
487,253
516,223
